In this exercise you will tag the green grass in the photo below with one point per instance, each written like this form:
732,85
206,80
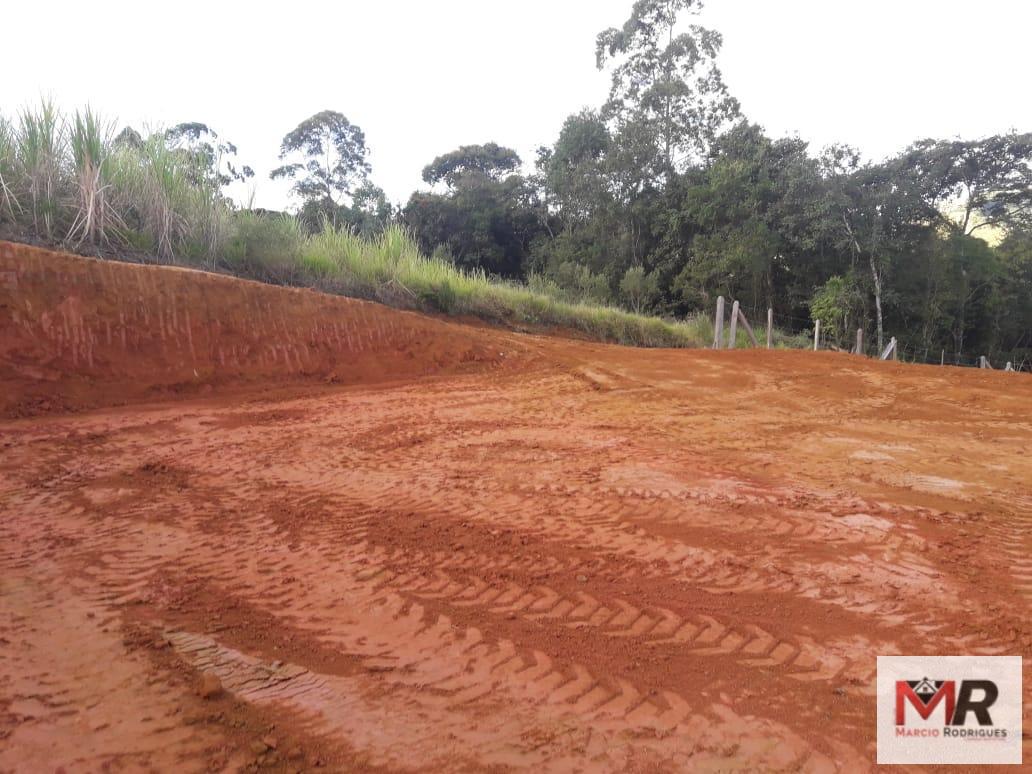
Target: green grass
39,155
9,206
390,269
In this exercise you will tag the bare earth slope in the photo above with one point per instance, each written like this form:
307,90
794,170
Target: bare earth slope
77,332
472,550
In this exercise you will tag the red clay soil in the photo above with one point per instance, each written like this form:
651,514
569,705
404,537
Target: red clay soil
288,531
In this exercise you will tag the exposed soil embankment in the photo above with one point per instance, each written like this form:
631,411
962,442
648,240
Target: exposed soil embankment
77,332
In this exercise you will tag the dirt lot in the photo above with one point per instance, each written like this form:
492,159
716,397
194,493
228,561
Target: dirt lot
322,535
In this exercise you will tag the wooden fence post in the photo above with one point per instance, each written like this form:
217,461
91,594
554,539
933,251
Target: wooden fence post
942,358
816,334
859,341
732,340
890,349
748,328
770,327
718,324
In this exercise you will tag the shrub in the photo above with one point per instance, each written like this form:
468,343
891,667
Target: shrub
267,247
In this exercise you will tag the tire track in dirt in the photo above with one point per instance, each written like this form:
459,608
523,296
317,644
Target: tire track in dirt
421,651
751,640
676,736
644,552
711,637
50,691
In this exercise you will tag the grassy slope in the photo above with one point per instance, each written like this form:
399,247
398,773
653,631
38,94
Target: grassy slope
391,270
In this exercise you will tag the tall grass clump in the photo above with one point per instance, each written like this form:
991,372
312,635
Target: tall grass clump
9,207
74,182
39,156
154,185
266,247
336,255
174,212
96,218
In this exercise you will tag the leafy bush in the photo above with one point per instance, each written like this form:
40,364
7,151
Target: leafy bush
638,288
831,304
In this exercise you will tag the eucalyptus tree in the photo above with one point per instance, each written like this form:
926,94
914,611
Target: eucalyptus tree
667,99
472,163
326,158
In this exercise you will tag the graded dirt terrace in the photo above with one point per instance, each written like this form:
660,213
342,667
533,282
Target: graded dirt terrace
252,527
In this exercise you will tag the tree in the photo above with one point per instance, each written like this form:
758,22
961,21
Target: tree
1011,310
571,174
667,85
329,155
583,223
637,288
211,157
608,181
753,219
970,185
873,216
471,162
489,215
128,138
370,211
832,304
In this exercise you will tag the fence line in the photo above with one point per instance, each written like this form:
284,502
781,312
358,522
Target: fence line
740,315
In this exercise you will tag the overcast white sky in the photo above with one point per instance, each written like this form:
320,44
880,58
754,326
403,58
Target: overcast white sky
422,78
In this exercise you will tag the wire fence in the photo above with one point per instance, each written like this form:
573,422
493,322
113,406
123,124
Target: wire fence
904,352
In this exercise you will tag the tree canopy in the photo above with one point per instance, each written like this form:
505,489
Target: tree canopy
329,157
327,161
471,162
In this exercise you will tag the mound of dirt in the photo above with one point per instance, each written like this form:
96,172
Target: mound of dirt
77,332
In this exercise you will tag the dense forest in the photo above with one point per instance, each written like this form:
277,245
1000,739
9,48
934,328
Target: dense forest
667,195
